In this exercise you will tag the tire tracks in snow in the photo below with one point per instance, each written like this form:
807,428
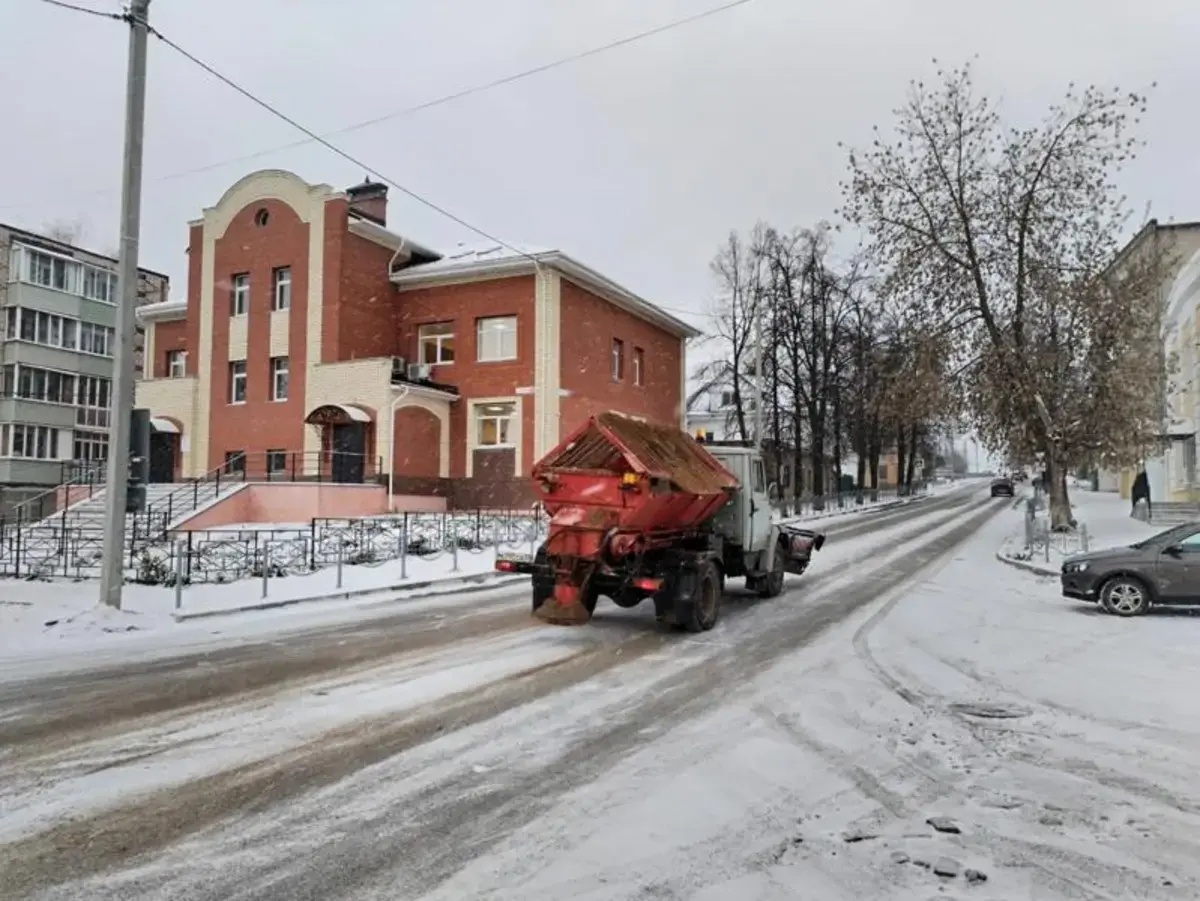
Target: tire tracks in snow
467,812
52,713
1079,873
98,842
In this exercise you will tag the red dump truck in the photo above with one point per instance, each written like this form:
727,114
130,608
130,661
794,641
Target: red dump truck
643,511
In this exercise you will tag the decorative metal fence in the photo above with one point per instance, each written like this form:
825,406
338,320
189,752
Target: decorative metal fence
221,556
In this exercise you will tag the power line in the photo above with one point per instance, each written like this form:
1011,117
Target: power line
312,136
472,91
120,17
324,142
437,101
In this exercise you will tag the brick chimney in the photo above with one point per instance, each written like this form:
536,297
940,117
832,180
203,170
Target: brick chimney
369,200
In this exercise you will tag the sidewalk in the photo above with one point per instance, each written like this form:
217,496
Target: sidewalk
1104,513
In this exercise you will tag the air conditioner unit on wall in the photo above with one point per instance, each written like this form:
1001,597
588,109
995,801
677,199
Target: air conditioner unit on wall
419,372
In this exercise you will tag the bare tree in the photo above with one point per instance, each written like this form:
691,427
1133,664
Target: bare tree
68,231
1004,238
811,303
737,268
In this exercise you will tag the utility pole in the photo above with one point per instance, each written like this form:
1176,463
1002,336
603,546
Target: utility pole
112,576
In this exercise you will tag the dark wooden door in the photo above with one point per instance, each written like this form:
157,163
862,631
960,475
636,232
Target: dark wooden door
162,457
349,452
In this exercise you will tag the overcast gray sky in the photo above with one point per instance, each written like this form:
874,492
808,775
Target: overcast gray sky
638,161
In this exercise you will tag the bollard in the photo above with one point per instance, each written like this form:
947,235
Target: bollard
404,548
266,567
1083,537
1047,537
341,554
454,555
179,552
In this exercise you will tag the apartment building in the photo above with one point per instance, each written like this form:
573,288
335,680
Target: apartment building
58,310
315,341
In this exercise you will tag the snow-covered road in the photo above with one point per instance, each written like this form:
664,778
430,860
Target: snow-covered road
454,750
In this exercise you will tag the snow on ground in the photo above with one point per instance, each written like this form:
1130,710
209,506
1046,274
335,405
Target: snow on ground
1106,516
41,616
48,613
208,739
818,779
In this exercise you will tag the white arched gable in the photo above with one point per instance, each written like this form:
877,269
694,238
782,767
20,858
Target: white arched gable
266,184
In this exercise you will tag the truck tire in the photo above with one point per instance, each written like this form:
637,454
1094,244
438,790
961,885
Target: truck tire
771,585
705,609
542,589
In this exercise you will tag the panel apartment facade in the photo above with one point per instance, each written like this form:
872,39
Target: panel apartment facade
58,310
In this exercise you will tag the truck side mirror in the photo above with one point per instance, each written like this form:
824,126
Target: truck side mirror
773,492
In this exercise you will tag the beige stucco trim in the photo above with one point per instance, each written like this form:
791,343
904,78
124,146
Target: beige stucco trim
308,203
517,437
280,323
238,337
439,407
148,351
365,383
547,365
175,398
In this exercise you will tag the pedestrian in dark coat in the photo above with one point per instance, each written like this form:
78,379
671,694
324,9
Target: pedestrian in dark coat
1141,492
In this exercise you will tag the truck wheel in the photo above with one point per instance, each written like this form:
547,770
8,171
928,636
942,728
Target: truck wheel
706,602
771,585
542,589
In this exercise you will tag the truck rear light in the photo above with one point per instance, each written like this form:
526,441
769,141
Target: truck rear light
506,566
646,584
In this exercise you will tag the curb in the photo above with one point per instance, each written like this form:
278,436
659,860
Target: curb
1036,569
856,511
478,582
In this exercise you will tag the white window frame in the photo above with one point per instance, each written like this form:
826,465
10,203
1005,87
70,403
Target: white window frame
239,296
509,429
487,337
41,437
238,376
59,272
426,338
281,294
617,363
103,335
176,364
90,412
639,367
279,367
94,446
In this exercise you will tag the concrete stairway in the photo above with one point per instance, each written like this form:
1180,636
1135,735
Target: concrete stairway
1174,514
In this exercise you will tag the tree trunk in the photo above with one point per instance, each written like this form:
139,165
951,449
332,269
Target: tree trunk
901,457
912,458
1061,519
817,457
837,442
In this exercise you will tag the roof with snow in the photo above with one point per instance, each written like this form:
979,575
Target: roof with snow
496,259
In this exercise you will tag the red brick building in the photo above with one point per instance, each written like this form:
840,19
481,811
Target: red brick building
310,328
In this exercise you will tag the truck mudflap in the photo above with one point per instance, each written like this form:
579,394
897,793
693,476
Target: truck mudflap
800,544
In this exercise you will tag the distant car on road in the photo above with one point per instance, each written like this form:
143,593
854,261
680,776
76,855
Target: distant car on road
1002,487
1126,581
